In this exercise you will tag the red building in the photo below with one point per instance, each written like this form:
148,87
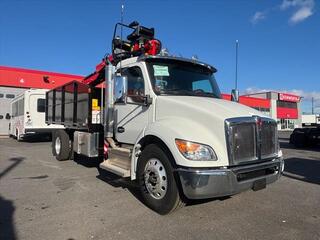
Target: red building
260,104
26,78
14,81
284,107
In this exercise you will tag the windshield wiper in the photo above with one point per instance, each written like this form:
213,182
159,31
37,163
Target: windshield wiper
183,92
206,94
178,92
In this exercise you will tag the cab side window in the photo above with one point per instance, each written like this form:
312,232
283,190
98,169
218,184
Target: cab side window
135,84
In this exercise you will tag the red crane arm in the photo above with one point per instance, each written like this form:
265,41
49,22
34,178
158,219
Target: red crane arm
97,76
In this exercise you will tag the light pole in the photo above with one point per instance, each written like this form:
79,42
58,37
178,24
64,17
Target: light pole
235,92
237,46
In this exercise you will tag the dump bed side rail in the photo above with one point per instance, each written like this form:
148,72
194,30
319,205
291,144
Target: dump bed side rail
70,105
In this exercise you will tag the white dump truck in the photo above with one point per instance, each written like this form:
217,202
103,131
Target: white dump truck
160,120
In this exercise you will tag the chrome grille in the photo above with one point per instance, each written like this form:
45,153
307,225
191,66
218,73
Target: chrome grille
269,139
251,139
243,142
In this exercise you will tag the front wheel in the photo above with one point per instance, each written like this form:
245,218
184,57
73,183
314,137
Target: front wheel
156,180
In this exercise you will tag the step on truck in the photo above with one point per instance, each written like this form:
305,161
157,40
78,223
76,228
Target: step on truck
160,120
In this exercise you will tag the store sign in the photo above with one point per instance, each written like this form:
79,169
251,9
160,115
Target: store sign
288,97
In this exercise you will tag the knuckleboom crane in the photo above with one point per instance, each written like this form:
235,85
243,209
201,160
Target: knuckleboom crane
140,42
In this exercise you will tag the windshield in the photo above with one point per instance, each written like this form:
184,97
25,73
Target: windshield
172,77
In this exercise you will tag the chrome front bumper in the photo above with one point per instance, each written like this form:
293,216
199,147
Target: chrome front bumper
209,183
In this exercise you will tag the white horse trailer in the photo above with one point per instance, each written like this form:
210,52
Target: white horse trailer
28,115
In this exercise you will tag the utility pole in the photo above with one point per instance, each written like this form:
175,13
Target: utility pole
312,105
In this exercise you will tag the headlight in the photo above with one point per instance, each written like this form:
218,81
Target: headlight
196,151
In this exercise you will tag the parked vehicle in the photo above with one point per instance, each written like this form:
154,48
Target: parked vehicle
6,96
310,120
28,115
164,124
305,137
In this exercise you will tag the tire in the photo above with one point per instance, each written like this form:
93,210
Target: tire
61,145
299,140
18,136
154,165
291,139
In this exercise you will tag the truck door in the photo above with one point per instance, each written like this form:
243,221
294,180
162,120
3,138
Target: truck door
132,117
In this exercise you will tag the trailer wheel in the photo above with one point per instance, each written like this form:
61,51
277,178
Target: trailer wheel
61,147
156,180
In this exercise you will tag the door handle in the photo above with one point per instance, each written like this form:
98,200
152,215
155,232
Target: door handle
120,129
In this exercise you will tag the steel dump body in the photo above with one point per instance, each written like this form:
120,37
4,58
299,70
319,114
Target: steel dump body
71,105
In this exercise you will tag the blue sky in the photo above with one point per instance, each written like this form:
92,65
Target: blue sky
279,39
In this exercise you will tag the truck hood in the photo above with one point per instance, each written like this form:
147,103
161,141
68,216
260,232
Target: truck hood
197,107
198,119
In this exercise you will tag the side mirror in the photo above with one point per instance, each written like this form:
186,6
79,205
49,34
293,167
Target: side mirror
120,89
235,95
8,116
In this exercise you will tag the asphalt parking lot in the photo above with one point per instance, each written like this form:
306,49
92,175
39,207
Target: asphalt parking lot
41,198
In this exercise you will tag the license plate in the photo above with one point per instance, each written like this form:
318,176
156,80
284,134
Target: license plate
259,184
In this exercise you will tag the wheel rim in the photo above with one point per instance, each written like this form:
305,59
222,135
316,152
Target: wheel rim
57,145
155,178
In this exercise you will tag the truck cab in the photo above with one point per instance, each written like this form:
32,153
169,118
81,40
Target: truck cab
165,126
216,147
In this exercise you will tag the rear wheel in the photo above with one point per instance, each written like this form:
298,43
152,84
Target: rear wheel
18,136
156,180
61,145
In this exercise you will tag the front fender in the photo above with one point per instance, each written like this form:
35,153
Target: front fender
169,129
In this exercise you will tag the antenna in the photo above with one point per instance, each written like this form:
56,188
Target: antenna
312,105
122,8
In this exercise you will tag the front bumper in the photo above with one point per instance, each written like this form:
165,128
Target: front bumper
209,183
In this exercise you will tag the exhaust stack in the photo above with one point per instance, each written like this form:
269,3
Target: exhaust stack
109,104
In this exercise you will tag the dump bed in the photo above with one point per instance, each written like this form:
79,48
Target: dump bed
74,105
